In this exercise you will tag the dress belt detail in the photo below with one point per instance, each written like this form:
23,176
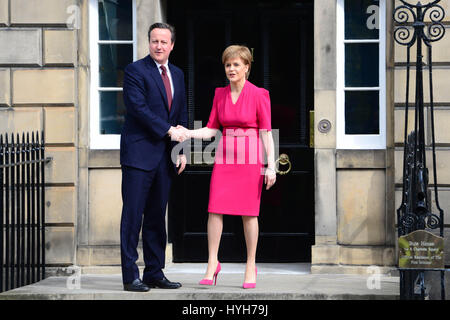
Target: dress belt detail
240,132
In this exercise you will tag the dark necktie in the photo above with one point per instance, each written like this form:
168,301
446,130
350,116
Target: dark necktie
166,81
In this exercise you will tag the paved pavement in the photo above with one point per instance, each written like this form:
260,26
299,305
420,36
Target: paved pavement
275,282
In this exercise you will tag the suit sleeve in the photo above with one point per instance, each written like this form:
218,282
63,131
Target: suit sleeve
135,102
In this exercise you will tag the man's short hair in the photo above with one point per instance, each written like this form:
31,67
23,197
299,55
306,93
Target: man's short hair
162,25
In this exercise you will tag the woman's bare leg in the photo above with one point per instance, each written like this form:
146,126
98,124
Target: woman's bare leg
251,232
215,226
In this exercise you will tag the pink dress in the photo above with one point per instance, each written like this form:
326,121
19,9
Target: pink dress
238,174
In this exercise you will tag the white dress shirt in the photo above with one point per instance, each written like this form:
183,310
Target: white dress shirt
168,73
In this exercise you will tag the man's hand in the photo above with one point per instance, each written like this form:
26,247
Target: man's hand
178,134
181,162
185,131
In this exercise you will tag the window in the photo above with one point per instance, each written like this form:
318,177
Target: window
361,75
112,48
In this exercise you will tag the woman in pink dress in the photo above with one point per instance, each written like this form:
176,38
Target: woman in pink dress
242,110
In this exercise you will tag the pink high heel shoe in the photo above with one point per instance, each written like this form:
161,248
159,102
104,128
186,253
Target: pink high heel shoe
250,285
209,282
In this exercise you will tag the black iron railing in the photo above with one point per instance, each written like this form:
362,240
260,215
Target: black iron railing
22,211
415,211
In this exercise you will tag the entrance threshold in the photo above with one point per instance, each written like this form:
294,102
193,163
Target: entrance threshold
233,268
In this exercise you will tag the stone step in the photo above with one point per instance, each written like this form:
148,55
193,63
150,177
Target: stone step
274,282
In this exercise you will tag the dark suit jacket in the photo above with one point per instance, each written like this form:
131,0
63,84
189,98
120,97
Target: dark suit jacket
144,135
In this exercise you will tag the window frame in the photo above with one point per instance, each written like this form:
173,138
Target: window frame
97,140
359,141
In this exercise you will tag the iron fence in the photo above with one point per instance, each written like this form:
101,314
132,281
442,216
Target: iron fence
420,25
22,211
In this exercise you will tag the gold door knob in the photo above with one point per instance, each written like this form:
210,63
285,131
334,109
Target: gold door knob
283,160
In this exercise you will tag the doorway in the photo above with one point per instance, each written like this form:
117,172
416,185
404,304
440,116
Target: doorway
280,36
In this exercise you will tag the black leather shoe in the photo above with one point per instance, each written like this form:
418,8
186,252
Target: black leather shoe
136,286
163,283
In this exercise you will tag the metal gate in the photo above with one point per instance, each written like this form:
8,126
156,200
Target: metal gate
22,211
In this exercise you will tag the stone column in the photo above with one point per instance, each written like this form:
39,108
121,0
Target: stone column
325,251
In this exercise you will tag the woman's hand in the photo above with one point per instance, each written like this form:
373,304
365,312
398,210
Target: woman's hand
178,134
186,133
270,177
202,133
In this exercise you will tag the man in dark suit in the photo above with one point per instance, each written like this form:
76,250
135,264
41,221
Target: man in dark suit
154,96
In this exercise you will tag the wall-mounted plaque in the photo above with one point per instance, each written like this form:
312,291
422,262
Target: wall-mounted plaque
422,250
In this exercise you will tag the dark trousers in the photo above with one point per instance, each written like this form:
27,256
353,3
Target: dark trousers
144,195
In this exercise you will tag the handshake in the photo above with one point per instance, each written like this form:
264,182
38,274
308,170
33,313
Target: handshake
179,133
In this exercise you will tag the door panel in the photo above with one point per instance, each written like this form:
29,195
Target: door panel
281,39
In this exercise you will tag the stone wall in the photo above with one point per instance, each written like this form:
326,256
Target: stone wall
38,83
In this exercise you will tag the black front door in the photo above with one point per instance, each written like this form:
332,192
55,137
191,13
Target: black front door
281,39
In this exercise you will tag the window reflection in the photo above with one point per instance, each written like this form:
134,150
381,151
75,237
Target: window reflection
115,19
115,52
358,19
113,60
362,112
112,112
361,65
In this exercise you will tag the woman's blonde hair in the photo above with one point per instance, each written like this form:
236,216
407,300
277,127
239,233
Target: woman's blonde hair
237,51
